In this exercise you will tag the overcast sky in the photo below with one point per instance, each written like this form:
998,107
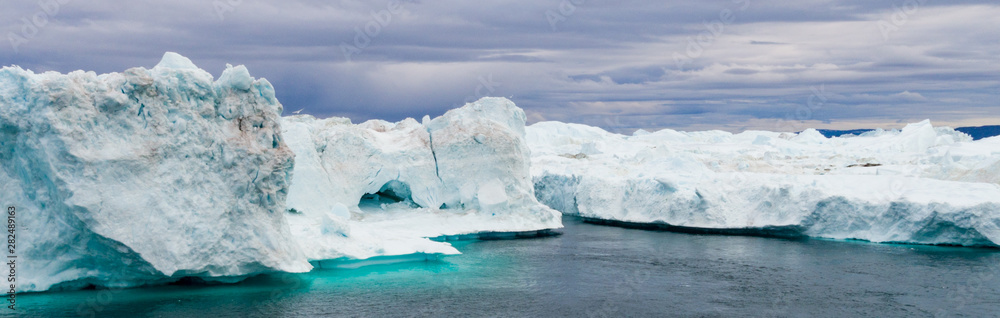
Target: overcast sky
686,65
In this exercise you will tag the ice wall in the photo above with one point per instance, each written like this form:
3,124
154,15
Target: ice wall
919,185
128,178
150,175
380,188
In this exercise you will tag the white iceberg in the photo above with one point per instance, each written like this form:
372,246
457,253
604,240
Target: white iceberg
150,175
921,185
381,188
126,178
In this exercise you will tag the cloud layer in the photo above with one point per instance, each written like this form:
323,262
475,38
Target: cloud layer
730,65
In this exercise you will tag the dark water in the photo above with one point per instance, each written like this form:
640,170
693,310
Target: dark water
595,271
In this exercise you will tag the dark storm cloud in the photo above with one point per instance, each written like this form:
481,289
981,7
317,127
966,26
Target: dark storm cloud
622,65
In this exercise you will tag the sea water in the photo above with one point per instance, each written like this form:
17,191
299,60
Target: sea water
595,271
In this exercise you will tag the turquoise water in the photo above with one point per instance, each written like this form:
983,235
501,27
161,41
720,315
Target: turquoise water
594,271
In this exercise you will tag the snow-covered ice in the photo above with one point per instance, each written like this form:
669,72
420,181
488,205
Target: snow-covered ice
380,188
923,184
149,175
126,178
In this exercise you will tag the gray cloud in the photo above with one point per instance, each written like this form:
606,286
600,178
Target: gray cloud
745,64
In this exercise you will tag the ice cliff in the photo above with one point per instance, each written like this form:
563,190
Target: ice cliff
132,177
380,188
150,175
923,184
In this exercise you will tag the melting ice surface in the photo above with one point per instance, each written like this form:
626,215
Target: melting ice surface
923,185
150,175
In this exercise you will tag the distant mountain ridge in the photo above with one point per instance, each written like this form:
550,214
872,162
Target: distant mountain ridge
976,132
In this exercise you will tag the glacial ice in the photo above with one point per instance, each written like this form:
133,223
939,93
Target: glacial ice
923,184
150,175
134,177
380,188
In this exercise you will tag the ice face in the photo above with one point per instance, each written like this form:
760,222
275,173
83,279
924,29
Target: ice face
386,186
134,177
922,184
149,175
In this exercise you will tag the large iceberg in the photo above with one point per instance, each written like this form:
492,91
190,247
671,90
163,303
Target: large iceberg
151,175
126,178
923,184
380,188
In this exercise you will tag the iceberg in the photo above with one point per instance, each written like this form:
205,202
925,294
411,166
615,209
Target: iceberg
127,178
920,185
380,188
152,175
